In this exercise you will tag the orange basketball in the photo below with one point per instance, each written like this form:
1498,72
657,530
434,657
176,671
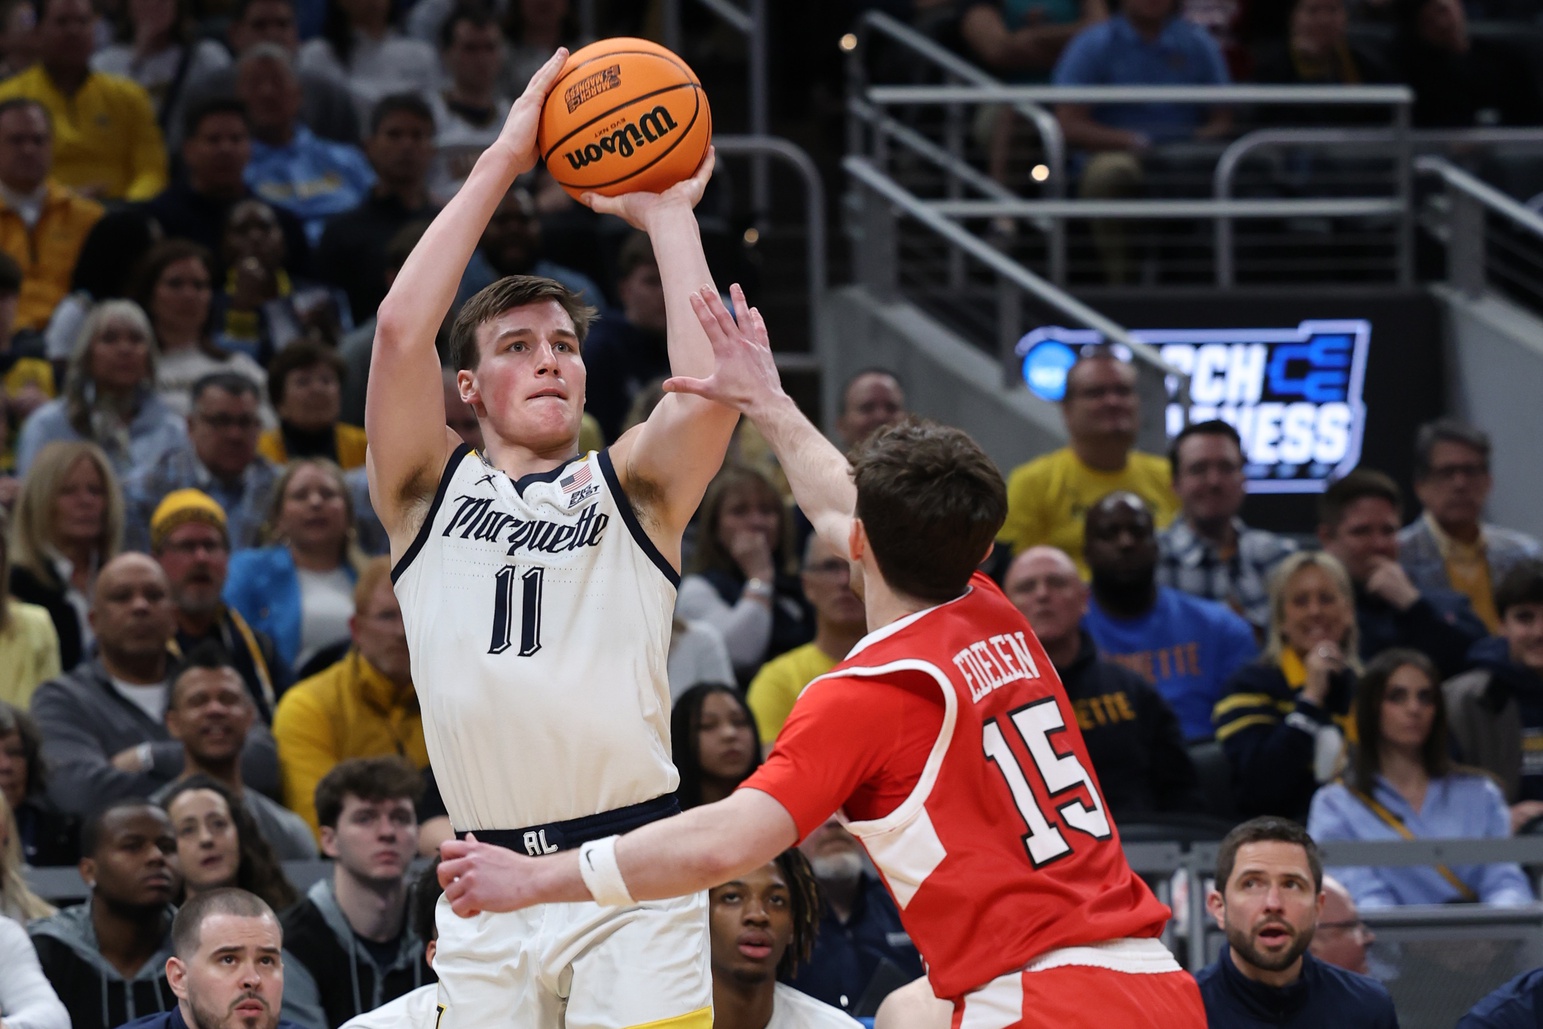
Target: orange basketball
625,115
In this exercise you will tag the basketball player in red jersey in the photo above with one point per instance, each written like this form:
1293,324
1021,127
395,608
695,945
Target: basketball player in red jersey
945,739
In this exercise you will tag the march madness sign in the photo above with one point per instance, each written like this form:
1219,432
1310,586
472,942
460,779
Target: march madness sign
1294,394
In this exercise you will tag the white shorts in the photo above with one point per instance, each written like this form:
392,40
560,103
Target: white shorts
576,966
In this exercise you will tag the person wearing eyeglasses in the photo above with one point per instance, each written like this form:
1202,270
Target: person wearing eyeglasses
1047,497
220,460
1341,939
1403,785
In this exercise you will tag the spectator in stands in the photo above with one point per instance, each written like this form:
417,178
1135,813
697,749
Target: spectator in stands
104,735
359,47
1185,646
1460,82
1147,43
401,149
469,113
355,348
42,222
1208,551
534,29
189,537
103,271
1497,708
106,958
227,957
29,646
1315,50
839,622
1515,1004
158,47
216,148
861,951
713,738
737,582
220,459
762,927
106,143
1358,519
220,845
209,711
18,37
1450,547
1283,721
871,399
1133,737
69,523
45,835
1268,899
622,354
512,245
175,288
326,105
697,655
291,167
420,1007
29,999
1048,497
1341,938
300,588
362,706
1403,785
356,919
109,396
305,383
263,307
26,376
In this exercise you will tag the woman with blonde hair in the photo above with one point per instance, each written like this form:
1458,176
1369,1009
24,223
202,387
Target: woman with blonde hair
300,588
69,522
29,646
16,898
109,397
1284,718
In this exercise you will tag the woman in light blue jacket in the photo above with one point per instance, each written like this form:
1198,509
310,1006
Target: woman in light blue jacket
1404,785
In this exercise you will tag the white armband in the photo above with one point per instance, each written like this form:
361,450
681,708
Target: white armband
602,875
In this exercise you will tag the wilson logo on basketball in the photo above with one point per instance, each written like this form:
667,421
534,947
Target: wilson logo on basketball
592,86
626,140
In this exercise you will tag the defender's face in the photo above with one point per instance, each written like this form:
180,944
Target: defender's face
529,382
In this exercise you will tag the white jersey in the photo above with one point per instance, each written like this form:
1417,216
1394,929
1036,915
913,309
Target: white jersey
794,1010
538,616
416,1009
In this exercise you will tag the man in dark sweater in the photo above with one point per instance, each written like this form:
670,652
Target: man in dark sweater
1268,898
350,947
1131,733
106,958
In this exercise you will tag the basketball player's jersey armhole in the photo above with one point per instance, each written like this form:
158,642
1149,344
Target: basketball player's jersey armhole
422,537
630,519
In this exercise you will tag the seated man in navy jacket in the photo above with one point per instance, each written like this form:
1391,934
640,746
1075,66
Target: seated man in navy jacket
1268,896
1358,522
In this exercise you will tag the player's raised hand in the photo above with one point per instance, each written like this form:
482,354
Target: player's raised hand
636,209
744,370
518,136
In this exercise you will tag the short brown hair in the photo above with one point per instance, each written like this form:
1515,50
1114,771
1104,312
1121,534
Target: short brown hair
1265,829
1357,485
931,502
187,927
371,779
504,295
302,353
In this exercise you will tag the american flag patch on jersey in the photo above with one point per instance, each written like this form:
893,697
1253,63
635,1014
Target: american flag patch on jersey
577,479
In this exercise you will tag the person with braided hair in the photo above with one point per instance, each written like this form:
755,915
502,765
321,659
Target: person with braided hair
763,925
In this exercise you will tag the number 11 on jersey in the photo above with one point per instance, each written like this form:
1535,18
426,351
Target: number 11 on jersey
530,610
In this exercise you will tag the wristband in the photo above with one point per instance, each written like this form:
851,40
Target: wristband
758,589
146,755
602,875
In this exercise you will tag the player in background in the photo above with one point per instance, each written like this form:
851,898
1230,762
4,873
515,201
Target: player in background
537,587
944,738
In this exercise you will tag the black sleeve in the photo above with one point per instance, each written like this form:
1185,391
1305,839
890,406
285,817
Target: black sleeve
1444,637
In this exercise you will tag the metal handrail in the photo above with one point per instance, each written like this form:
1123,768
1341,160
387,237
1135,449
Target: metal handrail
1333,207
1334,96
1481,191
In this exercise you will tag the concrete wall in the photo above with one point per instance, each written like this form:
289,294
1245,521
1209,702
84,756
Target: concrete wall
1495,353
945,378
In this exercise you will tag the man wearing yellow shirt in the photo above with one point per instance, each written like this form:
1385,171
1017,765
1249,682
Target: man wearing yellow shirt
363,706
1048,498
107,144
839,622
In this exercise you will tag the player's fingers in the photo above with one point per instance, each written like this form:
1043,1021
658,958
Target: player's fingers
704,171
741,305
702,304
682,384
720,313
547,74
757,328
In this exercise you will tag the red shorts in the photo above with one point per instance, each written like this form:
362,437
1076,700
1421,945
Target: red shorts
1086,996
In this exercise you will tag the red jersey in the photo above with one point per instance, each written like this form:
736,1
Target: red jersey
948,743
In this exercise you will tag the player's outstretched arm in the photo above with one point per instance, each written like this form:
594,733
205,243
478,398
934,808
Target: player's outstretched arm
694,851
744,377
679,449
404,412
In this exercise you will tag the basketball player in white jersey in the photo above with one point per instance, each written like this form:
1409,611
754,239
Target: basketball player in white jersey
537,586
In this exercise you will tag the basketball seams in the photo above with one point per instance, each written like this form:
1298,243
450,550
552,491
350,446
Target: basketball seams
610,55
662,155
696,95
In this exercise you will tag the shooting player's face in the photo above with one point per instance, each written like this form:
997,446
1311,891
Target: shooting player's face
530,377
